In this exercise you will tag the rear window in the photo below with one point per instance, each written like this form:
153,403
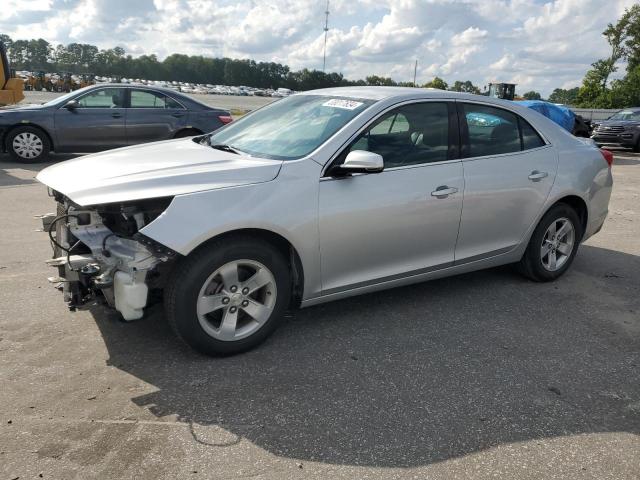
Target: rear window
495,131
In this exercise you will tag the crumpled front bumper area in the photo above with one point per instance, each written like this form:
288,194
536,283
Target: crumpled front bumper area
94,262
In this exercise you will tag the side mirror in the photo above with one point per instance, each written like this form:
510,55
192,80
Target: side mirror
361,161
71,104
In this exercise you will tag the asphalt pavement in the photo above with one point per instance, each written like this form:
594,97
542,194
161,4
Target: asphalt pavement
484,375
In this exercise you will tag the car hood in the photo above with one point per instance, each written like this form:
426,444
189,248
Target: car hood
22,107
160,169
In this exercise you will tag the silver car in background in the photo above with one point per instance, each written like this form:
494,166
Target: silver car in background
321,196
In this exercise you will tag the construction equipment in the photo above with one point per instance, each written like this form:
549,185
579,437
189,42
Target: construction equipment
10,87
505,91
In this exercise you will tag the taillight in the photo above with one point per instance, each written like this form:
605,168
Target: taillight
608,156
225,119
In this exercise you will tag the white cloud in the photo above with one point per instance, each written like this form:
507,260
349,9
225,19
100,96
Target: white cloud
540,44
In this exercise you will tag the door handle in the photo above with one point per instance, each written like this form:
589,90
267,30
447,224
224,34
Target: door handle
443,191
536,176
116,115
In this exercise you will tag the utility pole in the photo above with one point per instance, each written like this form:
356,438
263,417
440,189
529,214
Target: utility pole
326,29
415,71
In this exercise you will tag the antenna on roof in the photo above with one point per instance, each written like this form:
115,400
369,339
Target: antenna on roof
326,29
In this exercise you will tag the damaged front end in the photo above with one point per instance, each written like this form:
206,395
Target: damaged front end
100,253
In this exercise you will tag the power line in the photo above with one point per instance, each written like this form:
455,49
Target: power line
326,29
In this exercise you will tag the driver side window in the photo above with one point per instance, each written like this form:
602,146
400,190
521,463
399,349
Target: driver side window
409,135
104,98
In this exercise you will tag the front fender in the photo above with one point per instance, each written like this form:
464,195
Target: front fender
286,206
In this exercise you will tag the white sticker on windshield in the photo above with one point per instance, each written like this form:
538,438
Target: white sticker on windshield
342,103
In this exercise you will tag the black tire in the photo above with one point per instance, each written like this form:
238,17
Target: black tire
190,275
636,148
531,265
187,133
34,134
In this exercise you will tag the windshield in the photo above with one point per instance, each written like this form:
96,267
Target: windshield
626,115
290,128
66,97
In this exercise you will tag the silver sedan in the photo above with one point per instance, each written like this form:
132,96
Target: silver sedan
320,196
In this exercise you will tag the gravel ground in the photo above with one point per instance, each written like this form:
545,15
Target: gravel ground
484,375
227,102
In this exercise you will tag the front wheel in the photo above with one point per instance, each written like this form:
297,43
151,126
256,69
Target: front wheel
28,145
229,296
553,245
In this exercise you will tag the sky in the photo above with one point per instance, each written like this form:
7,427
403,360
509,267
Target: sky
540,45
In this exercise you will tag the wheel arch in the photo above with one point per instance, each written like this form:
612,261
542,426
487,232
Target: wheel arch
579,205
196,131
11,128
277,240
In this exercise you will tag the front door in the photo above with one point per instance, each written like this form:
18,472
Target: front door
403,221
153,116
97,123
508,172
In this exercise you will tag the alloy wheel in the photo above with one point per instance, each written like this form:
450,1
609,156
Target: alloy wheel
236,300
557,244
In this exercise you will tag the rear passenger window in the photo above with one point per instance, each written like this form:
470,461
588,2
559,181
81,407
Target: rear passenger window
530,138
492,131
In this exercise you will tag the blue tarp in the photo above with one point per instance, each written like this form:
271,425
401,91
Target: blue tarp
559,114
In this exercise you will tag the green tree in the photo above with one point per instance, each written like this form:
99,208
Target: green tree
375,80
532,95
624,40
466,87
6,39
438,83
566,97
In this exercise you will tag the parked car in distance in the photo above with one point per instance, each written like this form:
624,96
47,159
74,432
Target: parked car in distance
320,196
101,117
620,130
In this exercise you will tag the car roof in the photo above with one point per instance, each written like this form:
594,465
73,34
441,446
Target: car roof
382,93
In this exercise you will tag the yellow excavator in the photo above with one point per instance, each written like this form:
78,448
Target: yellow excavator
10,88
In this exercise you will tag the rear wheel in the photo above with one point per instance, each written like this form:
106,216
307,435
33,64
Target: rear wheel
553,245
228,297
28,145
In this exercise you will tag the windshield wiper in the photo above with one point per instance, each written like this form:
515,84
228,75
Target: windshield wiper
222,146
225,148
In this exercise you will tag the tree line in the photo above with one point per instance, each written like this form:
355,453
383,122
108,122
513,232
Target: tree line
80,58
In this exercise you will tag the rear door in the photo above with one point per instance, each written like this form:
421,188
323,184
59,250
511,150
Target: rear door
97,123
508,173
153,116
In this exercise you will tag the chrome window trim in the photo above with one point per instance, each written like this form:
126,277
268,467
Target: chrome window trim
509,154
393,169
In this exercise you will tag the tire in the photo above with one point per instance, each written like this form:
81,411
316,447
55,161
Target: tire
187,133
636,147
28,145
534,264
198,276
